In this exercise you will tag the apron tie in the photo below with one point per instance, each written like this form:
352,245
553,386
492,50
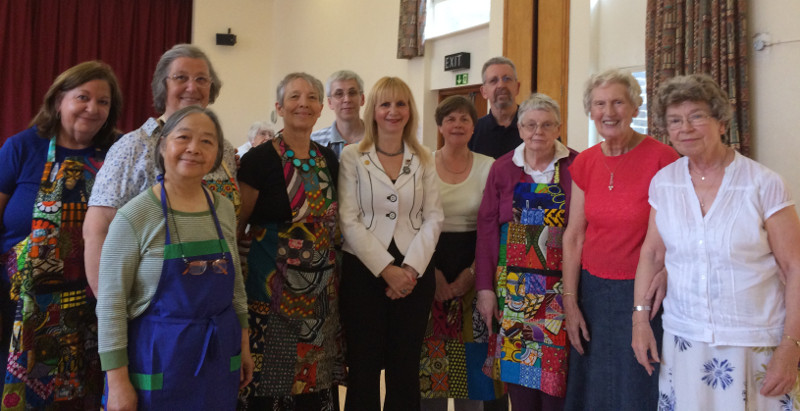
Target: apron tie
210,331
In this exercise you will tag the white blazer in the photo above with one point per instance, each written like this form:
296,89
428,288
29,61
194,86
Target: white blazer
373,210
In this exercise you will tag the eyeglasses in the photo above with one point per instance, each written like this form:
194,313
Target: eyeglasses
198,267
505,79
697,119
341,94
182,79
547,126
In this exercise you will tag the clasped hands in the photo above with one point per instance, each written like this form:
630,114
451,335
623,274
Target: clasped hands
401,280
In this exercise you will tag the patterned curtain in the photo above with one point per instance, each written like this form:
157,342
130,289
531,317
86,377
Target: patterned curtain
701,36
410,42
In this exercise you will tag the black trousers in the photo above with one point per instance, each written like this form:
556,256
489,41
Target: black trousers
383,333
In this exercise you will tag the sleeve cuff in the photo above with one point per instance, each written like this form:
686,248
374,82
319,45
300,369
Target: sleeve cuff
243,321
114,359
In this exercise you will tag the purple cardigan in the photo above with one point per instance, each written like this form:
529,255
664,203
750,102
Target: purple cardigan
496,210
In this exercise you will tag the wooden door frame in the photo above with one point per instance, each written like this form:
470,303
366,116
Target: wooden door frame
538,31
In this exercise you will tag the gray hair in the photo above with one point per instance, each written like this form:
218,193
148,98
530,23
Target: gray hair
281,90
539,101
612,76
159,83
176,118
700,88
258,126
343,75
497,60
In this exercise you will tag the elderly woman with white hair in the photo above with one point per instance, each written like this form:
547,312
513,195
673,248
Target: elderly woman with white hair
608,221
726,229
259,133
518,271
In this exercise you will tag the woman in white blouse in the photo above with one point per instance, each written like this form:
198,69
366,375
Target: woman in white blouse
726,229
390,217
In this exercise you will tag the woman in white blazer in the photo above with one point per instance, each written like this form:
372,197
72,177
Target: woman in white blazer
390,217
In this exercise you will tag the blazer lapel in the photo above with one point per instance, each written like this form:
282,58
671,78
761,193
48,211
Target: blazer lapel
370,161
409,168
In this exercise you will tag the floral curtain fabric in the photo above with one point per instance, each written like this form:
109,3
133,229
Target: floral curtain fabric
410,42
701,36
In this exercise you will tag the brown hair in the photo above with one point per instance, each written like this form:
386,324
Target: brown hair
453,104
47,120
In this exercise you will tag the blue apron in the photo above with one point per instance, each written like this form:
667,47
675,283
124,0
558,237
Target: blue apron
184,351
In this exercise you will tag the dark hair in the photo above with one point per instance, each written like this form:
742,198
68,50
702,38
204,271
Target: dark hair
47,120
159,84
176,118
694,87
455,103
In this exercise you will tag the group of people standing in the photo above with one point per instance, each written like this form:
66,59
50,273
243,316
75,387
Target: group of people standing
503,263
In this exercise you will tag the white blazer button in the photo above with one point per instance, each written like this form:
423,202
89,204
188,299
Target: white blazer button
392,198
391,215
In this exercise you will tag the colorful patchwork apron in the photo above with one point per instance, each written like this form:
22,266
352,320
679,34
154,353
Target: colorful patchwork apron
531,347
184,351
53,360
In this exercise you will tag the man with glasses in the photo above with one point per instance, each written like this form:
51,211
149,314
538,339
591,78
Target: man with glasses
345,97
496,133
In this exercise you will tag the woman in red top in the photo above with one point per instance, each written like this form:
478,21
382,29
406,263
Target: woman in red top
608,222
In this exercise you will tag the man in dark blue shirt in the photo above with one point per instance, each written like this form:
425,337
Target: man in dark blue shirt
496,133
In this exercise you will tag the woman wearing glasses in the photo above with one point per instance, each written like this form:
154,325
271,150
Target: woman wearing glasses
518,271
726,230
608,221
171,304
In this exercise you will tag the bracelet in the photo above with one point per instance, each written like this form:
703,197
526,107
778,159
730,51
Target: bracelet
566,294
642,308
792,339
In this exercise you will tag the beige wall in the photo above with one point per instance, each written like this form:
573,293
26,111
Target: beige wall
319,37
245,69
775,87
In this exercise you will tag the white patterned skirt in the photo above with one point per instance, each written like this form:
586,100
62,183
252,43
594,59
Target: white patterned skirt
697,376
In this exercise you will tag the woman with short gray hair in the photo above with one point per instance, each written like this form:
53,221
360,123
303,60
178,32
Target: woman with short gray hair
608,221
518,271
290,201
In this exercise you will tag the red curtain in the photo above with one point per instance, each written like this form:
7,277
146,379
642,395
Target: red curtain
41,38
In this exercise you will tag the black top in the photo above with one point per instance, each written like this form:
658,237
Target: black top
492,139
261,169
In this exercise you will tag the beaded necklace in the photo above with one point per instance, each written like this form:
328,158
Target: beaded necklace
304,165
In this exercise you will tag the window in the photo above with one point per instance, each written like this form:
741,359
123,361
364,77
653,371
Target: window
448,16
640,121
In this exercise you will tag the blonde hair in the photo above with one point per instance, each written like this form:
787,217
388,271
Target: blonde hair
391,88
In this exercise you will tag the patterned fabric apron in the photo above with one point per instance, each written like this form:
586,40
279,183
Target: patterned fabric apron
531,347
292,290
53,361
227,188
184,351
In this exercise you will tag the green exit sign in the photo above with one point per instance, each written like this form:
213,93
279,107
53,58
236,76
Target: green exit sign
462,79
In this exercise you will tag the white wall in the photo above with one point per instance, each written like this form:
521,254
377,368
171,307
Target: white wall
276,37
279,36
775,87
247,91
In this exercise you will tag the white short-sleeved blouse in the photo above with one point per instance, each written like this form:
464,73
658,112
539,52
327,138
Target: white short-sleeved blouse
723,281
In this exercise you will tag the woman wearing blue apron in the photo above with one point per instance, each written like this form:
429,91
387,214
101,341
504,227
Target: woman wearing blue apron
520,222
173,308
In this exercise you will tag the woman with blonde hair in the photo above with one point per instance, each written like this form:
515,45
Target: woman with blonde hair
390,217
